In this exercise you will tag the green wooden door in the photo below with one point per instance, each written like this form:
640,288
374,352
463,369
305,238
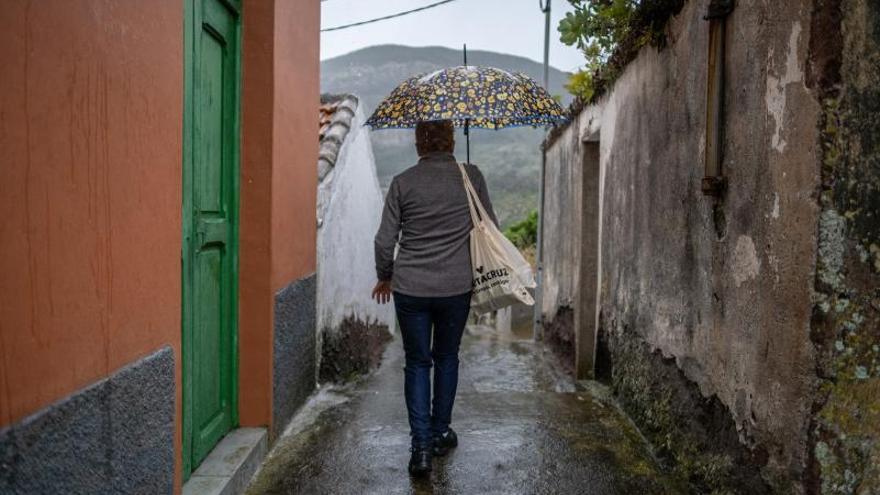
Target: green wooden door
210,220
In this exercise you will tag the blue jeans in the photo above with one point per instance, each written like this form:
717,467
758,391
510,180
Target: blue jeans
416,317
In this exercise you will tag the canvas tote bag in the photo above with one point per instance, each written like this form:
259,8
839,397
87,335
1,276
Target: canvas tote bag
501,276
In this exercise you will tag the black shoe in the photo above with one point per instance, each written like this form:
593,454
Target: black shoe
443,443
420,461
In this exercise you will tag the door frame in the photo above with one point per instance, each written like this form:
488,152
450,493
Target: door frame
189,84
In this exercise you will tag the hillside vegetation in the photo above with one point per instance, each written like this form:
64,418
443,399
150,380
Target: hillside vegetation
509,158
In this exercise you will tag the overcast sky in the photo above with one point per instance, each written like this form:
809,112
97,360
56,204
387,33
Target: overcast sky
507,26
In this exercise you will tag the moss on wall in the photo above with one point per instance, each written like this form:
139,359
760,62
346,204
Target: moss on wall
845,433
695,436
559,335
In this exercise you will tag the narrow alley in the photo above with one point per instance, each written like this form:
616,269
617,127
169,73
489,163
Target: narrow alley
660,220
524,427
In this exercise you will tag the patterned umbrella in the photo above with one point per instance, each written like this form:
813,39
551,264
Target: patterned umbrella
470,96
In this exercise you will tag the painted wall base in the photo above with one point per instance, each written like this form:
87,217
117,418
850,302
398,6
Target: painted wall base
294,356
115,436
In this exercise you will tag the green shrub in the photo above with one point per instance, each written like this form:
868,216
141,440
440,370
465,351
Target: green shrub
524,233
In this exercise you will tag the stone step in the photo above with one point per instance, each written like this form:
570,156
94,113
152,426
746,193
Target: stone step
229,467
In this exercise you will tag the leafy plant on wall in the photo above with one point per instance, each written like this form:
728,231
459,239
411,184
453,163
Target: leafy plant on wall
595,27
610,33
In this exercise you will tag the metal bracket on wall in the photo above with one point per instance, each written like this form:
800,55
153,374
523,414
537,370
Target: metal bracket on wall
714,183
714,186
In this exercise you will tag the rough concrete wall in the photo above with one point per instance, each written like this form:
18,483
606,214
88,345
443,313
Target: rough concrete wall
114,436
722,288
561,237
562,222
294,351
559,334
350,218
845,63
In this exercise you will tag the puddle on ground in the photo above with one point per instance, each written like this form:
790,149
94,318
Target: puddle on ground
523,427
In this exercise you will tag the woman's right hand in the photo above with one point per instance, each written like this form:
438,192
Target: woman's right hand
382,291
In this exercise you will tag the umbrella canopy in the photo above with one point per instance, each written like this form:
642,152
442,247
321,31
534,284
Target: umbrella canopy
468,95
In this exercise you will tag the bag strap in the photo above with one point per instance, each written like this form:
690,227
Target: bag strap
467,191
478,212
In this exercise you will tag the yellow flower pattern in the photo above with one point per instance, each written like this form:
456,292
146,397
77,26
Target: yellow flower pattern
483,96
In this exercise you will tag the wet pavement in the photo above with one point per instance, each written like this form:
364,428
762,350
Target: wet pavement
523,427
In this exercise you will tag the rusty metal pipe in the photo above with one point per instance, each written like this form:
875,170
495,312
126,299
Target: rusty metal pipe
714,182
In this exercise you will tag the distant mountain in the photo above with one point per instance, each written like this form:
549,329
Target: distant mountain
510,159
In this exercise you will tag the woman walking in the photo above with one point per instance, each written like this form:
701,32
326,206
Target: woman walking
426,215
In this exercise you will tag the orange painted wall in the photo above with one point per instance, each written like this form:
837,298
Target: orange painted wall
295,174
280,99
90,135
255,254
90,140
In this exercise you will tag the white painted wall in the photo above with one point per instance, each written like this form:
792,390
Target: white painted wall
349,209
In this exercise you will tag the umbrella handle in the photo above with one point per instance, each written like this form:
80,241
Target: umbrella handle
467,134
467,139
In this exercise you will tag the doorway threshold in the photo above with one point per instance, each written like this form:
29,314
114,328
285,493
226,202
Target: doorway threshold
229,467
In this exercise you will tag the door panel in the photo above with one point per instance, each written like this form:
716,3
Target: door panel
210,107
210,264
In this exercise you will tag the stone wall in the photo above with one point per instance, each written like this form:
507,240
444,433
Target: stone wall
707,305
845,73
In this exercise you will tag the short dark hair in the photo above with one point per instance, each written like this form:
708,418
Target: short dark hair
435,135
